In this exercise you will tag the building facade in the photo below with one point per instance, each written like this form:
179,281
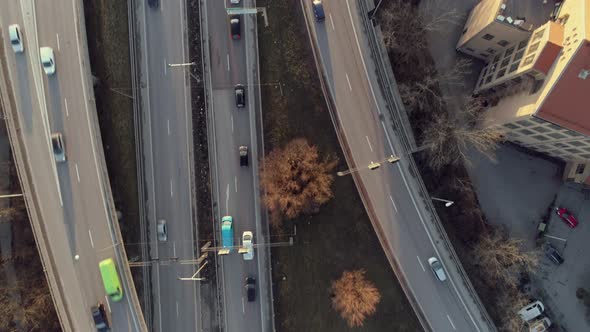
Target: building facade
539,85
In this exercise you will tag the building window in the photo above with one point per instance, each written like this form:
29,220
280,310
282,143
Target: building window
537,120
509,51
470,49
558,144
505,62
491,51
503,43
554,126
485,55
496,58
511,126
573,133
586,156
501,73
487,36
580,169
525,132
577,143
533,48
522,44
572,150
524,123
541,130
587,149
518,55
514,67
538,34
540,137
528,60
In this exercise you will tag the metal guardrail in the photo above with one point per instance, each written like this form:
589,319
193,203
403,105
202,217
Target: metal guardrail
402,126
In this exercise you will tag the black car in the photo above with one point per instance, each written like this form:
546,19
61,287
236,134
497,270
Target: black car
240,96
243,155
234,23
100,318
154,3
553,254
251,289
318,10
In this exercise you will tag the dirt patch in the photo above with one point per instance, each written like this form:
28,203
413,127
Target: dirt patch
340,237
108,45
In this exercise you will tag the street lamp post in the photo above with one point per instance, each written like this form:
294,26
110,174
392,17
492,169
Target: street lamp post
446,201
372,165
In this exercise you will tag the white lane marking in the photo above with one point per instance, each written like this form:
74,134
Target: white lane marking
177,312
243,306
173,249
232,123
171,192
331,21
165,67
57,36
421,265
370,147
168,124
90,235
392,202
66,107
228,62
236,182
450,321
348,80
77,172
227,199
108,303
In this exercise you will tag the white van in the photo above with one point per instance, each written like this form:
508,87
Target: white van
531,311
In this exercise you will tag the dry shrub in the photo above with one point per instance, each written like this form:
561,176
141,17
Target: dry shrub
296,180
354,297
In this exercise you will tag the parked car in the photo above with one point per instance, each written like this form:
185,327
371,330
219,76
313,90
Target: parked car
234,23
247,243
251,289
553,254
437,268
540,325
240,96
235,2
531,311
318,10
47,60
162,230
15,38
154,3
59,151
243,155
100,318
566,216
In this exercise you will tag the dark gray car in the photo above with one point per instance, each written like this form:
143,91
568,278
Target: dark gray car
553,254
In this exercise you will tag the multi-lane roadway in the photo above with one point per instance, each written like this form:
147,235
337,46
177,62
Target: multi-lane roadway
389,192
70,203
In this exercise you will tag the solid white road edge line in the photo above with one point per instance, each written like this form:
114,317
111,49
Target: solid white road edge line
450,321
332,21
90,235
348,80
421,265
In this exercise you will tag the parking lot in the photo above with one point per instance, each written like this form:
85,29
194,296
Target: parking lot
555,284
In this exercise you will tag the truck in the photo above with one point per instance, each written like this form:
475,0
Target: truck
227,235
243,155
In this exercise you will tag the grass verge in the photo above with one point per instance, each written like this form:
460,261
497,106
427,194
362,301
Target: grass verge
338,238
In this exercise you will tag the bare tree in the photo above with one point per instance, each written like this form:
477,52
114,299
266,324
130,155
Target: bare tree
296,180
503,258
509,302
354,297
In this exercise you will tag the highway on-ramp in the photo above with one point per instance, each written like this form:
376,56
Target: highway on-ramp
389,192
70,203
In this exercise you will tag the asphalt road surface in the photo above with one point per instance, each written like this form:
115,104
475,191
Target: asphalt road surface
232,62
359,105
167,137
70,196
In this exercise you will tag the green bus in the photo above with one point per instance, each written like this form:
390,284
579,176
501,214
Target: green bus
110,279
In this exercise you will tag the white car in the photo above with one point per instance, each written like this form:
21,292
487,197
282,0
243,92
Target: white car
235,2
437,268
162,230
247,244
47,60
16,39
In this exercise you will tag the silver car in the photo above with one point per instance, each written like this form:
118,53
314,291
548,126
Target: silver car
59,150
47,60
437,268
16,39
162,231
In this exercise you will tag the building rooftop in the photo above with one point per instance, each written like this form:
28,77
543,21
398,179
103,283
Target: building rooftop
528,14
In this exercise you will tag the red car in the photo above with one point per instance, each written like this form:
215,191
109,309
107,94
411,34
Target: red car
566,216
